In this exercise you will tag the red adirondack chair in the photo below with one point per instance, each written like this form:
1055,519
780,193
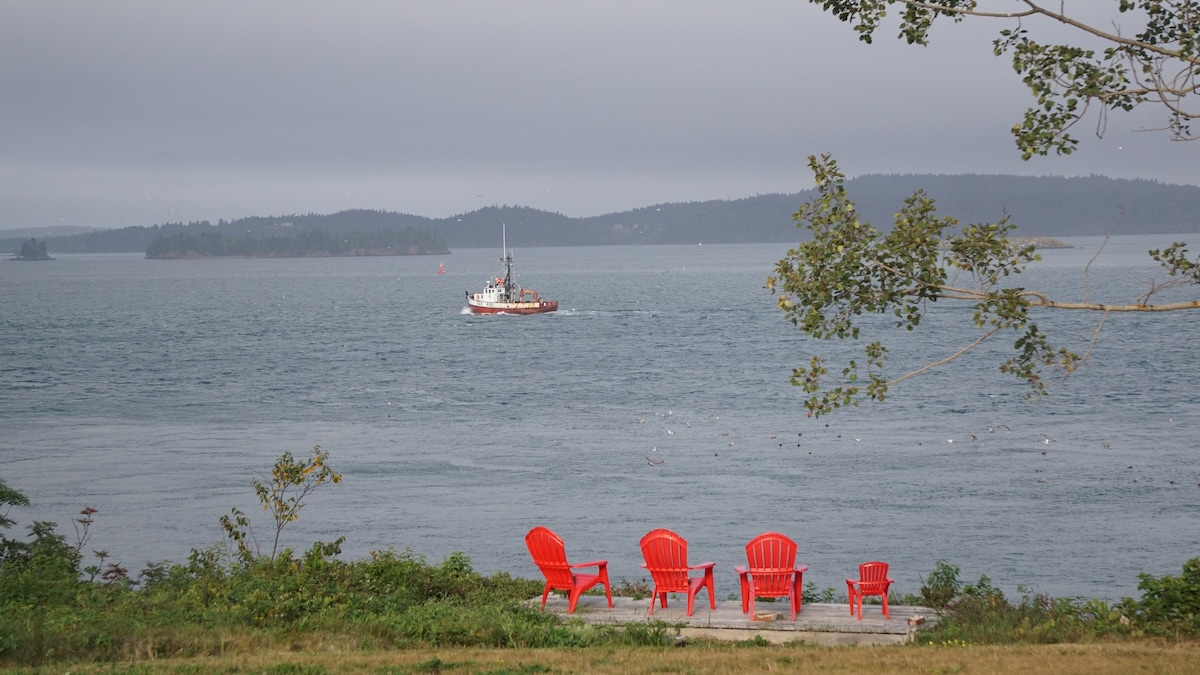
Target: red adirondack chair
550,555
872,580
666,558
772,571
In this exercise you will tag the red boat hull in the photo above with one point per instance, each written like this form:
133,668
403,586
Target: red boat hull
540,307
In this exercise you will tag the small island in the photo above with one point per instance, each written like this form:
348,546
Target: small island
1037,242
32,250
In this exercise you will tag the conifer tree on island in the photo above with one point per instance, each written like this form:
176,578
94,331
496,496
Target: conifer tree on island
850,269
33,249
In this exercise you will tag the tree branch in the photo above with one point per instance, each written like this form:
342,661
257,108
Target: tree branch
1095,338
948,359
1035,9
1099,307
1039,299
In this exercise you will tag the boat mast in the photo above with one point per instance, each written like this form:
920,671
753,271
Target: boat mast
507,260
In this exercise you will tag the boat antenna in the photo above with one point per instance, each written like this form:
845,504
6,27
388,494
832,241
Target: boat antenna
506,258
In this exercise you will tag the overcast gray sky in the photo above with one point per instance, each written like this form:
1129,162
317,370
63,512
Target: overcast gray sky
128,112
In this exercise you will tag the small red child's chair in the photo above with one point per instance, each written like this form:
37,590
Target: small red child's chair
872,580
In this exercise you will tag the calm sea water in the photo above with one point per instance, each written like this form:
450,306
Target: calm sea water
156,390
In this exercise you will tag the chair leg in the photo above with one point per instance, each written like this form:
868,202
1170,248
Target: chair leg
545,594
712,594
747,601
886,615
797,595
748,598
607,590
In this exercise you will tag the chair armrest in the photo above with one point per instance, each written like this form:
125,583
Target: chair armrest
703,566
802,568
740,569
594,563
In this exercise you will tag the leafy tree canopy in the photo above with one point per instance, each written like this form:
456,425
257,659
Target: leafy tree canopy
850,270
1156,62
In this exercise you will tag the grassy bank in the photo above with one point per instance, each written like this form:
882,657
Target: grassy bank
234,608
1160,658
395,612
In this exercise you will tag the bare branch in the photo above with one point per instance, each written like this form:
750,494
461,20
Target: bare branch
1095,338
1039,299
1098,307
948,359
1087,279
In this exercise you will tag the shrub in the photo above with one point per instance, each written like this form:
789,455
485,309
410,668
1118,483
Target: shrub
632,589
981,614
941,587
811,594
1169,605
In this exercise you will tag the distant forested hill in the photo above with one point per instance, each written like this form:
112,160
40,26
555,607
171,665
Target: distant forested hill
138,239
309,243
1039,206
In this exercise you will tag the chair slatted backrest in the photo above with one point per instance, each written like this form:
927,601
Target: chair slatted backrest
872,575
666,559
772,560
550,555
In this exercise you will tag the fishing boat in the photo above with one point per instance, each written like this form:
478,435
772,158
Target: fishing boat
503,295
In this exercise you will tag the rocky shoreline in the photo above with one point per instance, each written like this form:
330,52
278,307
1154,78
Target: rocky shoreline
1040,242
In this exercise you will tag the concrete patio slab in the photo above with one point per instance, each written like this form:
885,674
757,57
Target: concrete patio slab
826,624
